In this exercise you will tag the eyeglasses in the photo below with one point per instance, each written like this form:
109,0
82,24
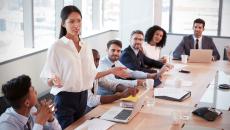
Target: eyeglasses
140,39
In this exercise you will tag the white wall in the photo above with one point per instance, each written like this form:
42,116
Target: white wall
99,41
33,64
30,65
135,14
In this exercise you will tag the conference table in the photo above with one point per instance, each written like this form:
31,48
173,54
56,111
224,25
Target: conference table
160,115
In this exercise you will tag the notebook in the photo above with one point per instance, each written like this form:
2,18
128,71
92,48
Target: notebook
123,115
200,55
173,94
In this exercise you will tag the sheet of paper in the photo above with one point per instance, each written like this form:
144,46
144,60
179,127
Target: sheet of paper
186,83
176,93
176,68
178,82
179,66
95,124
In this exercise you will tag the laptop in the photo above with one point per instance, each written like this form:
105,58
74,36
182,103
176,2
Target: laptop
200,55
124,115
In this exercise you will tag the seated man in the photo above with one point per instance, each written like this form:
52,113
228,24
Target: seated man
133,58
22,115
196,41
122,91
111,60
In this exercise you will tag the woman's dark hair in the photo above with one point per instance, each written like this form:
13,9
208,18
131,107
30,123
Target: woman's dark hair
95,52
16,90
65,12
151,31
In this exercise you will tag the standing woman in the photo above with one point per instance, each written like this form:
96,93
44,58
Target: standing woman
155,39
70,69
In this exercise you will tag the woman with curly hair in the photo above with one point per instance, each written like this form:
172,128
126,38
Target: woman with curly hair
155,38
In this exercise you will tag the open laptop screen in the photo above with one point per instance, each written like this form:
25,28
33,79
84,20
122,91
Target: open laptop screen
200,55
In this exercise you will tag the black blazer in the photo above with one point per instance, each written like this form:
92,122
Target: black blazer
138,62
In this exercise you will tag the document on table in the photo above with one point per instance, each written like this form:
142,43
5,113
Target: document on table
179,66
176,82
176,94
95,124
176,68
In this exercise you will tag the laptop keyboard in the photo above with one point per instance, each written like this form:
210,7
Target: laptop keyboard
123,115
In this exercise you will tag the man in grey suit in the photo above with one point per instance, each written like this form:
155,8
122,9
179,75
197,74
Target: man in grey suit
196,41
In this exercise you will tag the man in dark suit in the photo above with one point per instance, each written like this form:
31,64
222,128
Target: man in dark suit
196,41
135,59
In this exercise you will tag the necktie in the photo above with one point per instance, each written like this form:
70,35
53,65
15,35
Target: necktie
29,123
196,45
113,66
139,58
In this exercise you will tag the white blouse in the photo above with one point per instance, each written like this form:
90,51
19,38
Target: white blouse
151,52
76,70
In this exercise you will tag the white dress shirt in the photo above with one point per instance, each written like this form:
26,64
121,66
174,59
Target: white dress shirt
106,64
11,120
76,70
199,42
152,52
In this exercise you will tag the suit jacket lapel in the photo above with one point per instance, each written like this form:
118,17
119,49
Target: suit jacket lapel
134,57
191,42
203,43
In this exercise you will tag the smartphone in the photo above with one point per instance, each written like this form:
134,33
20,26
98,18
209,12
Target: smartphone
184,71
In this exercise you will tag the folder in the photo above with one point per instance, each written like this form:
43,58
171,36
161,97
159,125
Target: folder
173,94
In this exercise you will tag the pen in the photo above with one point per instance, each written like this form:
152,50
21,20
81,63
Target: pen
182,125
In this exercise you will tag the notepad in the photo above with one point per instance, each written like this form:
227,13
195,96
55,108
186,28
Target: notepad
95,124
130,98
174,94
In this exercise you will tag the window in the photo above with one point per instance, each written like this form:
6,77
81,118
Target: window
180,19
87,17
225,19
165,14
68,2
111,14
184,14
11,27
30,26
44,22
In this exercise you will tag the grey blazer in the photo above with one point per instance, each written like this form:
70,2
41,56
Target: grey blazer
187,43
